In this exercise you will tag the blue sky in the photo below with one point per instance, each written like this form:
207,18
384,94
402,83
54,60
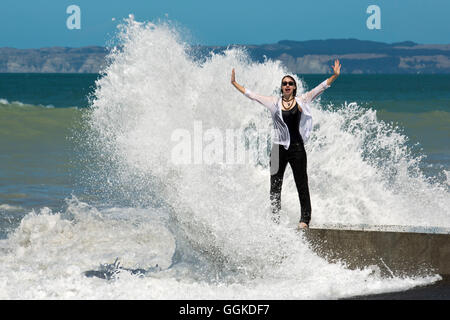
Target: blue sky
42,23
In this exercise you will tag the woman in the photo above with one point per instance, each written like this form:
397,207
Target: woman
292,122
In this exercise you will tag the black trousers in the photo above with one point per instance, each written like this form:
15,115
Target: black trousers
296,157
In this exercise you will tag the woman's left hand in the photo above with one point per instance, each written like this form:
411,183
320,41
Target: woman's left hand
336,67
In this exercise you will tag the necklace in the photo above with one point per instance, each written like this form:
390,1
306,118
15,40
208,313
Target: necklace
289,103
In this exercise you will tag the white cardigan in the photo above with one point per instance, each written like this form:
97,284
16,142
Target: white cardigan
274,104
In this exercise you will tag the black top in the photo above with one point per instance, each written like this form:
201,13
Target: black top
292,119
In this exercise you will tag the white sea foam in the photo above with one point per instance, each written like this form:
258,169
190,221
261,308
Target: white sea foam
362,172
208,225
447,175
21,104
46,256
7,207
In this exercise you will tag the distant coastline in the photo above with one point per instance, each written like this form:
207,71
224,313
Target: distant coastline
304,57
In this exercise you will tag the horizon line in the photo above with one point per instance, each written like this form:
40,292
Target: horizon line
251,44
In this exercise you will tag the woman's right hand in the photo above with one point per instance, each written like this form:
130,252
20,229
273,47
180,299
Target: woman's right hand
233,76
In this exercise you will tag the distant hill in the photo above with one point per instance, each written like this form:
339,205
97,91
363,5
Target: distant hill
52,60
313,56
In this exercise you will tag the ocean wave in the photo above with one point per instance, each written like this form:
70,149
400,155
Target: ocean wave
7,207
361,171
5,102
47,257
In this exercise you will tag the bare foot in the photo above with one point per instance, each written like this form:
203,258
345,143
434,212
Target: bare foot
302,226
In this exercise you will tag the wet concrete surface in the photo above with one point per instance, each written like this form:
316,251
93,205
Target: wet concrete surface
400,254
394,252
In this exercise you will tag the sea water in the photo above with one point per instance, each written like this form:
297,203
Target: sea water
89,174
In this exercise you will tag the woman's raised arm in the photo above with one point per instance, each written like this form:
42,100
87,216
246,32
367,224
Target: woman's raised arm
235,84
314,93
336,70
269,102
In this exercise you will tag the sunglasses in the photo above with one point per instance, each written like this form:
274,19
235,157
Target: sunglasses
285,83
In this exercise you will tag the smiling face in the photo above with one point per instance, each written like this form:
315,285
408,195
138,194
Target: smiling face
288,86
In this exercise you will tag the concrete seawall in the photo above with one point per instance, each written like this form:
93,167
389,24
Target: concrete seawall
393,250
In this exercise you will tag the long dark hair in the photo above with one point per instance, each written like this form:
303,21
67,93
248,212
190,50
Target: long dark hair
295,82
